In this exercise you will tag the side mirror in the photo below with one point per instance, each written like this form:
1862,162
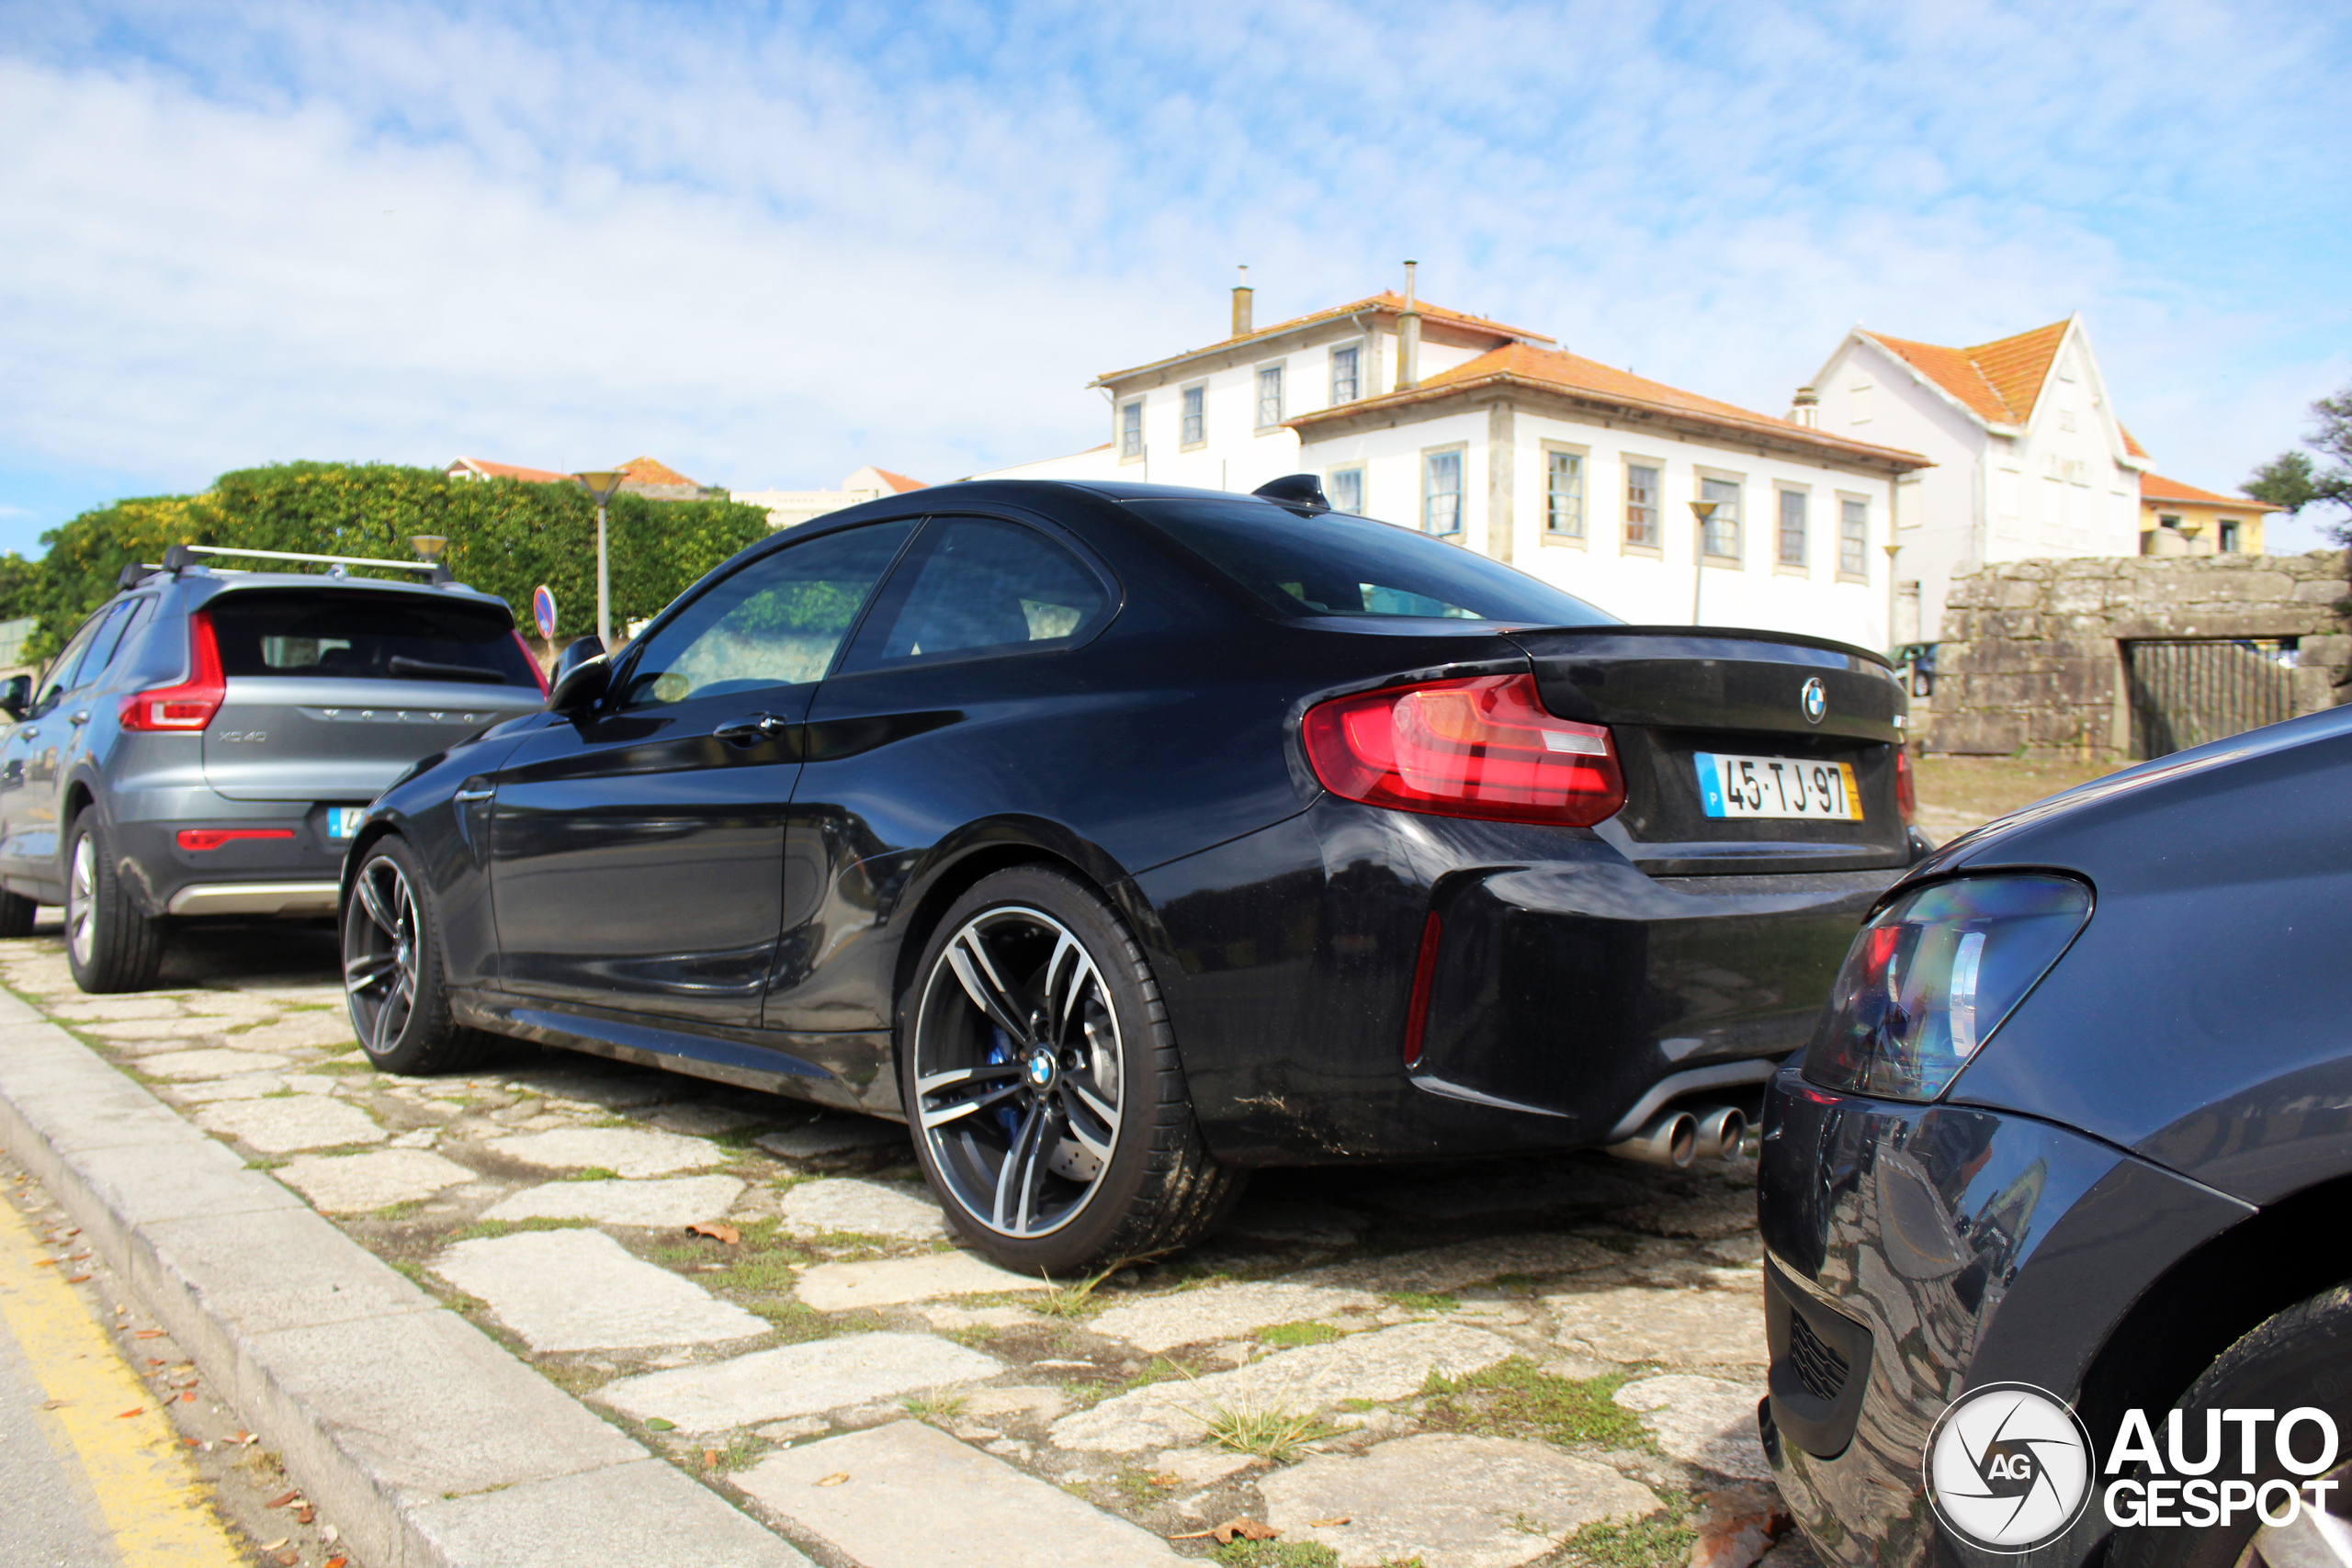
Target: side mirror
578,686
576,652
17,695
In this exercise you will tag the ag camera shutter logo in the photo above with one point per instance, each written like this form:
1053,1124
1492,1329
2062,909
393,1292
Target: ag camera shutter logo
2009,1468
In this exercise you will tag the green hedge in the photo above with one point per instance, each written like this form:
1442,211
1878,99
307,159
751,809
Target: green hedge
506,537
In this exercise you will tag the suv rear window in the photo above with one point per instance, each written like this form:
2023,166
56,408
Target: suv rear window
1334,564
367,636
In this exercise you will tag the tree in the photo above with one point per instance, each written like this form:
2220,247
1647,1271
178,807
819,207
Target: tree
2292,481
506,537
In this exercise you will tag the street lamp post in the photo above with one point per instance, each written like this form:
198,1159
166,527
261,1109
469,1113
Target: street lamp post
599,487
1705,510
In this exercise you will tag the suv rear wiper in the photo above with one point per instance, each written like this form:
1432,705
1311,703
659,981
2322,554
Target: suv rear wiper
401,664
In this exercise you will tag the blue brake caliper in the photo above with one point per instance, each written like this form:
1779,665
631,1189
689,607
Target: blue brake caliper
1008,1121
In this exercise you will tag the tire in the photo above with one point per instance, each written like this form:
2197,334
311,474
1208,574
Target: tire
2302,1357
109,944
16,914
393,969
1072,1043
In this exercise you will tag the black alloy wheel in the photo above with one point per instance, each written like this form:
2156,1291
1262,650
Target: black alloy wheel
111,945
1041,1077
392,969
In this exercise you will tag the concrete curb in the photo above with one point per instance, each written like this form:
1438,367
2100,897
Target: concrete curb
429,1443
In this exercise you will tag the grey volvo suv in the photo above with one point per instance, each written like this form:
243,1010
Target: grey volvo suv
209,738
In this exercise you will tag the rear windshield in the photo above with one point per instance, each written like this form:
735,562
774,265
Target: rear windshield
1334,564
367,636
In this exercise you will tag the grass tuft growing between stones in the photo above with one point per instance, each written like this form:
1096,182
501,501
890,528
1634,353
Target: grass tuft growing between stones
1269,1432
1277,1554
1656,1540
1287,1334
939,1409
1518,1398
1423,1300
593,1173
406,1209
482,1228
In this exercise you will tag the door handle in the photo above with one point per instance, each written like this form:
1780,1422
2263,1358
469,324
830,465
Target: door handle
752,731
470,793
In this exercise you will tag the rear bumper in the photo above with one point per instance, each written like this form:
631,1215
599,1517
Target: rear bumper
1917,1251
1571,995
296,875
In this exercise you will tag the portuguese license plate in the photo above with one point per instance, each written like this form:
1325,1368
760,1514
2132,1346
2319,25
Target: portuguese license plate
1777,786
343,821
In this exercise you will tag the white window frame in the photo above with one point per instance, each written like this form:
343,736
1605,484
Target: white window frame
1185,440
1846,499
1626,544
1738,557
1460,452
1362,359
1331,488
1580,536
1258,375
1803,565
1130,430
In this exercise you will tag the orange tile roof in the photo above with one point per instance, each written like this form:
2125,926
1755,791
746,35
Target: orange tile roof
2156,487
646,471
1997,381
2131,443
490,471
1388,302
1573,373
899,483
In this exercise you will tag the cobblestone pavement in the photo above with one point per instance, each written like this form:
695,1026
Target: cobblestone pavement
1473,1366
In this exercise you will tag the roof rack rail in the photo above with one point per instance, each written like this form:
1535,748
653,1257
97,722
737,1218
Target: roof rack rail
178,558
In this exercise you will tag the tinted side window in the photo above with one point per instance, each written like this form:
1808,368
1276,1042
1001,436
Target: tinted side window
60,677
117,635
777,622
973,588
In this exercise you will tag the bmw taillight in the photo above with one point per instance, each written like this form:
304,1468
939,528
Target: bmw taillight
191,704
1906,788
1482,747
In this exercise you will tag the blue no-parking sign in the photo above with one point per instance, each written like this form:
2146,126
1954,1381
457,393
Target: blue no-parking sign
543,611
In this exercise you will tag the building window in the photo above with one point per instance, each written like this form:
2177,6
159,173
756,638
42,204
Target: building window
1346,490
1564,494
1791,544
1441,492
1269,396
1347,373
1853,537
1641,505
2171,523
1131,428
1857,403
1195,415
1722,532
2229,537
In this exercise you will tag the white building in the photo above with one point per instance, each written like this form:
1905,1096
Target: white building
786,507
1490,436
2030,457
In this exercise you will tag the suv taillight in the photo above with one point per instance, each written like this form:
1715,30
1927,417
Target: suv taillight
1482,747
191,704
1906,788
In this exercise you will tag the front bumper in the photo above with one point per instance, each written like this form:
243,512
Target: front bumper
1917,1251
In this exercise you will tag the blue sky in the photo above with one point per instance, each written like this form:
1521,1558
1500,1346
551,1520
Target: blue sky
769,244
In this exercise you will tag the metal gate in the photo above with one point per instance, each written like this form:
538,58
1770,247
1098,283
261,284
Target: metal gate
2187,691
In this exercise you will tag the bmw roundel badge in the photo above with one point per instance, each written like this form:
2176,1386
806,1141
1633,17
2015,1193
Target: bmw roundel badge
1815,700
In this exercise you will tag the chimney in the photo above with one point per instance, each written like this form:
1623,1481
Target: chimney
1241,306
1408,338
1806,408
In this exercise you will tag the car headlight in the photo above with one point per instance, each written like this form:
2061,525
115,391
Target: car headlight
1932,977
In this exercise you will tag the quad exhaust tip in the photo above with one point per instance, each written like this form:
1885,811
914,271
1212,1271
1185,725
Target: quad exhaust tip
1676,1139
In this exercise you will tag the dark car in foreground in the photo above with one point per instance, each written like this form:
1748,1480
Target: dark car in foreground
2076,1132
1120,839
209,739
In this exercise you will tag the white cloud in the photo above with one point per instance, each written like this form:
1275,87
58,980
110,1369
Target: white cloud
767,253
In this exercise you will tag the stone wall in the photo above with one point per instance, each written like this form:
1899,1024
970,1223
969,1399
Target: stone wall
2033,661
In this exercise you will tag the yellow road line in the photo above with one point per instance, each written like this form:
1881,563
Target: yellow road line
150,1497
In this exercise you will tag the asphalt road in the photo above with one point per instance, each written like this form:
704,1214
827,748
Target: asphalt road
51,1519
